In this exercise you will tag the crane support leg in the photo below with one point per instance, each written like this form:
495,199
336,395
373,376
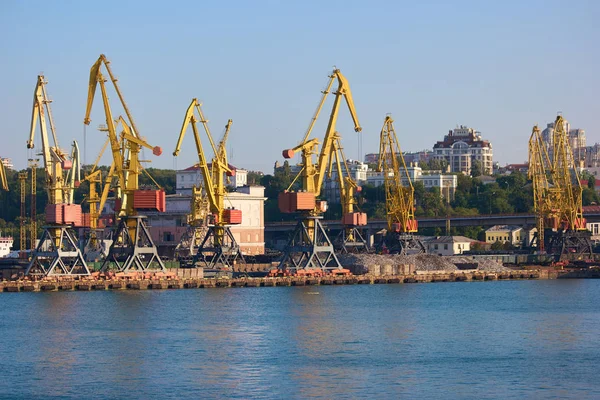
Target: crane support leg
218,250
57,254
351,241
309,248
133,248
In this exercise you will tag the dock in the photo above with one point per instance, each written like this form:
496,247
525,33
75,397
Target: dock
88,284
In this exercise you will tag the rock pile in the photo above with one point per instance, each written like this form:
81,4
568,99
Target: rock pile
365,263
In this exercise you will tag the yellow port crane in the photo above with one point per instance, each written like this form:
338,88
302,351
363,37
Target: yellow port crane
57,252
23,217
3,180
350,239
94,248
218,249
310,247
561,227
399,195
133,247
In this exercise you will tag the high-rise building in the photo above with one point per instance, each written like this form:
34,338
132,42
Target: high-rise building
462,148
576,138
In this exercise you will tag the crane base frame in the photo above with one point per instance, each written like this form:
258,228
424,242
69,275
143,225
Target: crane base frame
65,259
569,245
133,254
94,244
302,253
403,244
189,244
354,244
220,257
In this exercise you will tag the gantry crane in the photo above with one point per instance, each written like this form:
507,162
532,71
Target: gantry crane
561,227
132,247
218,250
309,247
57,252
399,195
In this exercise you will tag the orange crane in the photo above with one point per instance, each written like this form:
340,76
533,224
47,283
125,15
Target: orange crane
558,196
133,248
218,250
399,195
57,251
310,248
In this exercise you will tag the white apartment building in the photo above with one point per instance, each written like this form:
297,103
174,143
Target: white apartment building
192,176
448,245
7,162
446,183
166,228
331,188
461,148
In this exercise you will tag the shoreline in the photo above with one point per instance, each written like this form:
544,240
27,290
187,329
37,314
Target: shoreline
161,283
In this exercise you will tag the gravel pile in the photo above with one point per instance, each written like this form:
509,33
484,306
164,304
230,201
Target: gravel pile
365,263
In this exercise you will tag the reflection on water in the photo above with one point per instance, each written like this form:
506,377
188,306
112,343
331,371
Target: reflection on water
452,340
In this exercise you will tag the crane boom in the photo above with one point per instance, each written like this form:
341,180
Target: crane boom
314,173
58,183
3,180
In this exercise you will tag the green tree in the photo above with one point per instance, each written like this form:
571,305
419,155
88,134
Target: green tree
254,177
591,183
589,196
476,169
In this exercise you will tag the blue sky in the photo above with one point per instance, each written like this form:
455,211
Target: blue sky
499,67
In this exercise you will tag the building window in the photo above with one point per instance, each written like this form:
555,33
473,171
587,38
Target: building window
445,247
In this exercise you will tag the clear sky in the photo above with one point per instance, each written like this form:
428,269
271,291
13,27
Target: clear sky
497,66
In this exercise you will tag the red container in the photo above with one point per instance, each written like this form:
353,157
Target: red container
154,200
302,201
321,205
551,222
232,216
54,213
356,218
117,206
85,220
283,201
412,225
72,214
67,164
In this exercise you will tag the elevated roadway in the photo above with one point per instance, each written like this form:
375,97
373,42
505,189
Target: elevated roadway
424,222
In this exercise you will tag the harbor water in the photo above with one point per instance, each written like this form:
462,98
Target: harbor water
501,339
